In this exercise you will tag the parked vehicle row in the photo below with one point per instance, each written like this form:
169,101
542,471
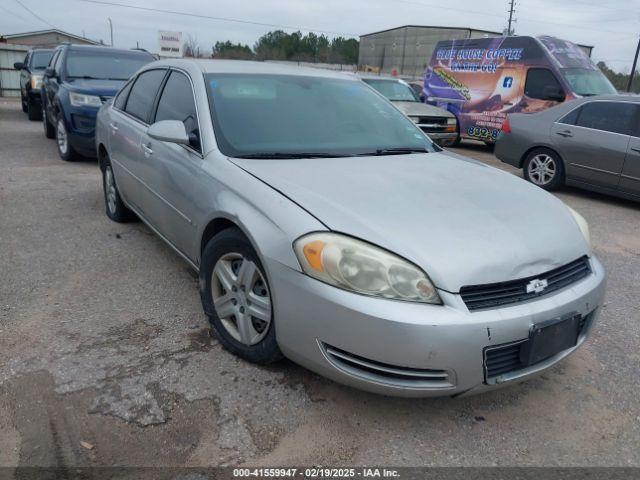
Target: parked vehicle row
77,81
314,209
326,227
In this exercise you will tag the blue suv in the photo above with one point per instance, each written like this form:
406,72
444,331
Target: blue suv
78,80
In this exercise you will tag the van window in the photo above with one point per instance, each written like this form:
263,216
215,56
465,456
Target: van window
143,93
616,117
541,83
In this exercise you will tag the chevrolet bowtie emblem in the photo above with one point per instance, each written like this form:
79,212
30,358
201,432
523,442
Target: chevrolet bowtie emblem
536,285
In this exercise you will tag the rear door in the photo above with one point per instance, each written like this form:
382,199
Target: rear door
630,178
593,141
173,171
128,122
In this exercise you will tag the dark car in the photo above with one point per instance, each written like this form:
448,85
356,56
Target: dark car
78,80
31,71
592,143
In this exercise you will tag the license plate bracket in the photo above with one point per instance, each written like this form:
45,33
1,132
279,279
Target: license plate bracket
549,338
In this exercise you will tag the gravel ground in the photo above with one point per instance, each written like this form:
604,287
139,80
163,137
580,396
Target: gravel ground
103,341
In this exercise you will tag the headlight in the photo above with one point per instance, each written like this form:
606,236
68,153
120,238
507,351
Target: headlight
452,121
82,100
582,223
36,81
357,266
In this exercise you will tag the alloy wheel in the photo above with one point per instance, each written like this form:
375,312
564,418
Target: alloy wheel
542,169
241,298
61,137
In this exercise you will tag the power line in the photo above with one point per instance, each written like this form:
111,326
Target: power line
221,19
13,13
35,15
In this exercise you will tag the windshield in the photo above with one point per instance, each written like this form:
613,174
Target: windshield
272,116
587,82
394,90
40,59
106,65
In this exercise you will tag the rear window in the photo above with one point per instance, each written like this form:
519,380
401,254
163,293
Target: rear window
143,93
105,65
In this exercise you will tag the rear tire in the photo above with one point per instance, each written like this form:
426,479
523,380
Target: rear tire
49,130
115,208
544,167
236,297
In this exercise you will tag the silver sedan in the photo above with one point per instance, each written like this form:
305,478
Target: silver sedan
328,228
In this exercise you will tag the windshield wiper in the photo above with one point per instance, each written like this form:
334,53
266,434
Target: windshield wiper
281,155
393,151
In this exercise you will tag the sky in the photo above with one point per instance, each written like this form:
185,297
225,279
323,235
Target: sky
611,26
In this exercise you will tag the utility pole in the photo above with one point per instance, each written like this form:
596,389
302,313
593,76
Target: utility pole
633,69
512,9
111,30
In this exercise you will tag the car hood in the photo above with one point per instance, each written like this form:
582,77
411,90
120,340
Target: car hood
463,222
105,88
422,109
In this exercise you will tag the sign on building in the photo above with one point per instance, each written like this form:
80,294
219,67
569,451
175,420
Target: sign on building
170,43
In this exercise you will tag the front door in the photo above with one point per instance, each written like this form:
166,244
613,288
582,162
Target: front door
630,178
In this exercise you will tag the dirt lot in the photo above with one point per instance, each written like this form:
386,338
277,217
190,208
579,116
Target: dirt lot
103,341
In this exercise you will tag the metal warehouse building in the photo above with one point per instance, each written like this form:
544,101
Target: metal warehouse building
408,49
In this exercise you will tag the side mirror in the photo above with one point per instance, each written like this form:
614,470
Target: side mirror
19,66
171,131
50,72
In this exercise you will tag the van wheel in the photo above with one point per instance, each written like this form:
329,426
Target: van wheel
543,167
236,297
49,130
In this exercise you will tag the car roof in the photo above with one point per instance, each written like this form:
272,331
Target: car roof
103,48
248,67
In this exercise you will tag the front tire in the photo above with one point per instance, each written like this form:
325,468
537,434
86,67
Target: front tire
33,112
24,104
65,150
544,167
236,297
115,208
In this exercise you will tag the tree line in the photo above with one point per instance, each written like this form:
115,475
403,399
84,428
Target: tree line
279,45
620,80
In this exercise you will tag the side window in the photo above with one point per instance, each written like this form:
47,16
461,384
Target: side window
616,117
121,99
58,62
52,62
177,103
143,93
541,84
571,118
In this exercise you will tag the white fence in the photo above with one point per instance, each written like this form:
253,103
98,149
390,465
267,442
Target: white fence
10,78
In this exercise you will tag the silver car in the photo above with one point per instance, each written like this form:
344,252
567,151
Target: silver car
591,143
440,124
326,227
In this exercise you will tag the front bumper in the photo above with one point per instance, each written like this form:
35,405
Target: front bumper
81,128
408,349
443,138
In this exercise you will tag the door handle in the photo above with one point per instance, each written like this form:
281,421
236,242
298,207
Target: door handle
565,133
636,149
114,127
147,149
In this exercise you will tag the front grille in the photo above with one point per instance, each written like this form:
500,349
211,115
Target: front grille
432,120
385,373
477,297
